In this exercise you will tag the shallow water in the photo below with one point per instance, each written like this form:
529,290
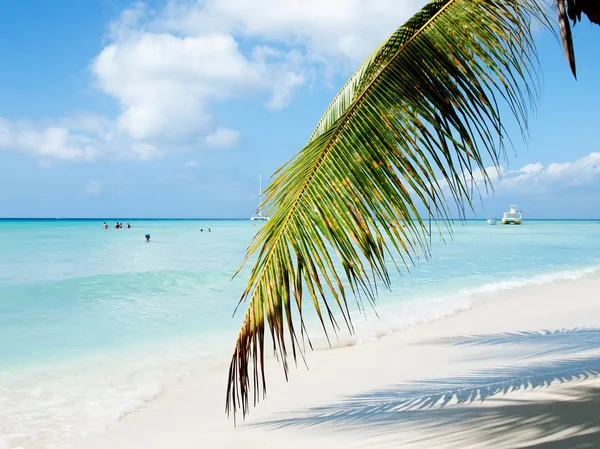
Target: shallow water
94,323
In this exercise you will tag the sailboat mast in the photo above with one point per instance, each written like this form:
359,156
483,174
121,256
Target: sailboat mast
260,195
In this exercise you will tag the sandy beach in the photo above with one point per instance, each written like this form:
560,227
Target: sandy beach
518,370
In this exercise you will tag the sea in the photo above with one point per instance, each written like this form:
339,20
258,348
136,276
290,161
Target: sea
95,323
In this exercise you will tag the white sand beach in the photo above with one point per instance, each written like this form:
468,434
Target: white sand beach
515,371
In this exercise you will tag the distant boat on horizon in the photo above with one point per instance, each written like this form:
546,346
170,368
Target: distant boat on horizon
259,215
512,216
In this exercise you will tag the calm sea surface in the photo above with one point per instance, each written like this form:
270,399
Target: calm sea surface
94,323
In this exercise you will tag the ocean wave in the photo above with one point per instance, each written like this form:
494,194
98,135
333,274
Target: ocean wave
395,317
539,279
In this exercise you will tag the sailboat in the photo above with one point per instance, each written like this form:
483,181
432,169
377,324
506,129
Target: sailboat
259,215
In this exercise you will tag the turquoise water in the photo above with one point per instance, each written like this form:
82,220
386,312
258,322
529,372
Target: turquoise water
94,322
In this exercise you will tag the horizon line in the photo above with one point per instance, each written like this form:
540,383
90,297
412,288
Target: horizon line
247,218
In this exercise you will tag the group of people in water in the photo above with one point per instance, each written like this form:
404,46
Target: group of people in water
117,225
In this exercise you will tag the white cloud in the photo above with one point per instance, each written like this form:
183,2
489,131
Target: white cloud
93,188
76,138
538,180
222,138
347,29
535,179
165,82
145,151
191,164
532,169
282,91
52,141
167,68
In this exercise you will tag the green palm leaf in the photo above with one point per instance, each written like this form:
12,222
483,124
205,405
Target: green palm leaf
424,105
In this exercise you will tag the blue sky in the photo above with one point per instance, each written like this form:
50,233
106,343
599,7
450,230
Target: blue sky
173,108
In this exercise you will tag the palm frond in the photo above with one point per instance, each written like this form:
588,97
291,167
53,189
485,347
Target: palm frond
573,10
425,104
565,32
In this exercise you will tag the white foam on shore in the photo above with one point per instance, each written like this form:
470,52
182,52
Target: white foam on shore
392,318
62,406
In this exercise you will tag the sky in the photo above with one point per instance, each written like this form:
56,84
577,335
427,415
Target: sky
174,108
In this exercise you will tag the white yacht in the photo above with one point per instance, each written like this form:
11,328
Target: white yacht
259,215
512,215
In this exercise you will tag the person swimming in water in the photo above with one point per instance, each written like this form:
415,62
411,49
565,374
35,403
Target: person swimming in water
105,226
147,237
128,226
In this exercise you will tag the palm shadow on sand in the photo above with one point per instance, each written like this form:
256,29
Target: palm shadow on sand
434,409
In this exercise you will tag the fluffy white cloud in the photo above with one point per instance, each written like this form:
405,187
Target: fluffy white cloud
77,138
166,68
145,151
538,180
165,82
222,138
52,141
349,29
93,188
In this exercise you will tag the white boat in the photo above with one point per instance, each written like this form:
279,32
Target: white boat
259,215
512,216
491,221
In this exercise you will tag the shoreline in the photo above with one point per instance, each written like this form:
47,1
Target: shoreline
530,338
